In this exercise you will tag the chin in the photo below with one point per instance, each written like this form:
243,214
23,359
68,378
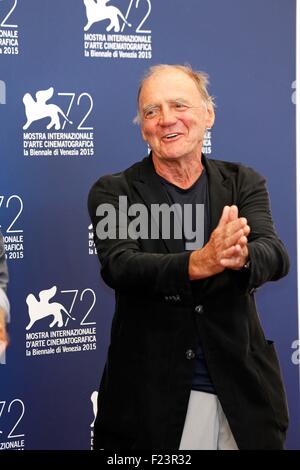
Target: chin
169,153
172,153
171,156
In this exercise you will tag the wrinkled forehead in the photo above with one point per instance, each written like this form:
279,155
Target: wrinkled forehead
167,85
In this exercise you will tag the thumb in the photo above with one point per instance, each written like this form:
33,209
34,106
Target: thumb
225,216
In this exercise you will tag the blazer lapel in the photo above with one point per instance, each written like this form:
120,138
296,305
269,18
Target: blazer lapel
150,190
220,191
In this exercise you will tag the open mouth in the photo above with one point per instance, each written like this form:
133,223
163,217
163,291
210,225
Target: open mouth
170,136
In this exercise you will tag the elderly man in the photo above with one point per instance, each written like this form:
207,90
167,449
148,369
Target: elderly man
188,365
4,304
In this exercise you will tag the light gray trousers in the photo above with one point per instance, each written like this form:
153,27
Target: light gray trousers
206,426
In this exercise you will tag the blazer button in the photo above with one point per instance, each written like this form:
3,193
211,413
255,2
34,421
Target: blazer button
189,354
199,309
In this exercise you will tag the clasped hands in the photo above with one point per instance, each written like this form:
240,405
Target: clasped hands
226,248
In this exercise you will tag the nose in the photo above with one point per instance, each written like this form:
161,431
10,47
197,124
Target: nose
167,116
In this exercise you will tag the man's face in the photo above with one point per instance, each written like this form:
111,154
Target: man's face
173,115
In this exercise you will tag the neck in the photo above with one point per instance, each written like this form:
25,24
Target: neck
182,172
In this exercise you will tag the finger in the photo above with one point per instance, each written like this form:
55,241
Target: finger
247,230
233,213
232,251
242,241
231,227
245,254
224,217
233,263
232,239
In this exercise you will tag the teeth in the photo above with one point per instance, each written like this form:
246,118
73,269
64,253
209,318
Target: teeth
170,136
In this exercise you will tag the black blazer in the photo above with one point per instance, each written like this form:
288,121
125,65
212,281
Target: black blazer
160,315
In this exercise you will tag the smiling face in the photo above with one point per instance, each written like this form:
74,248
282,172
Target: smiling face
174,116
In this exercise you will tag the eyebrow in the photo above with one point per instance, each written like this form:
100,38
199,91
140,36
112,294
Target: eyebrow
175,100
150,106
180,100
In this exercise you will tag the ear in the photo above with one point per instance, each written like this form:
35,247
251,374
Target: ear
210,116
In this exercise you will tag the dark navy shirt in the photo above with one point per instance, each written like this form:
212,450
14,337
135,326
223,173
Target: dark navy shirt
192,219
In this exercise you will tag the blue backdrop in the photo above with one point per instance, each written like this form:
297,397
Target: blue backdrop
74,67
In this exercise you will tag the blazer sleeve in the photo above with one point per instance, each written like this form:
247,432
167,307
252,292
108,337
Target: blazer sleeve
124,266
269,259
